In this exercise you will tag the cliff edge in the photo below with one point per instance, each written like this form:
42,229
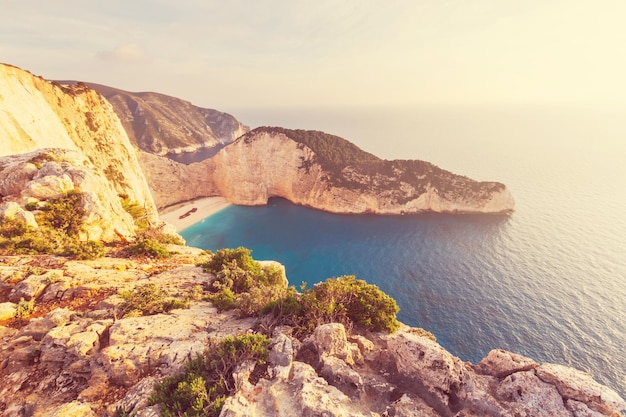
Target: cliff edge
77,351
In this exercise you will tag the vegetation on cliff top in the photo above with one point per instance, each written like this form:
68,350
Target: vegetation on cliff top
242,284
60,223
203,386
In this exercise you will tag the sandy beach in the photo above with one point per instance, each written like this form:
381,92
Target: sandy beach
204,208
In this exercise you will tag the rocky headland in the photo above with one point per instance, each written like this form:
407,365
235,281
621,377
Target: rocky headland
74,355
94,332
164,125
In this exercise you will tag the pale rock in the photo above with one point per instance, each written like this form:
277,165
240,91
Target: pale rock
16,173
524,394
304,393
411,407
138,345
317,398
172,182
9,274
72,409
7,310
48,187
80,344
31,287
136,398
500,363
12,210
476,395
434,372
79,125
338,374
580,386
330,339
579,409
38,327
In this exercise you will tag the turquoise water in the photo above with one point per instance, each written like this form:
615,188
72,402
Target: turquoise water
548,282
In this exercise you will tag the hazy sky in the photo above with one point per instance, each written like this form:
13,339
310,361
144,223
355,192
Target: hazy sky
236,53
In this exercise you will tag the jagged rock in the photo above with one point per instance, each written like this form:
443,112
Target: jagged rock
579,409
136,399
522,393
139,345
411,407
281,350
37,328
580,386
500,363
330,339
303,393
31,287
435,373
339,374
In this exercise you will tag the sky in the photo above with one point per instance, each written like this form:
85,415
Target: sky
328,53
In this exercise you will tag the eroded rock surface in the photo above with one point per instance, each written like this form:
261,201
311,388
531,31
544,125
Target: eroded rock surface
76,357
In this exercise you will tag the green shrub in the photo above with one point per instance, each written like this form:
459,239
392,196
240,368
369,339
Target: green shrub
137,212
92,249
146,300
224,299
24,308
202,387
343,300
32,206
240,282
65,213
149,247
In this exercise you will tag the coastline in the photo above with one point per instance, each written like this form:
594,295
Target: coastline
205,207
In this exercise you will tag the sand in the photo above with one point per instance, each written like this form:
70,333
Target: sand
205,207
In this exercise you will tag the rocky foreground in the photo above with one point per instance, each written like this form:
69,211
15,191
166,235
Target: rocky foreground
73,355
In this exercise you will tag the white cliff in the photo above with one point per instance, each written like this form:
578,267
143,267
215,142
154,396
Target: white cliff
273,162
37,115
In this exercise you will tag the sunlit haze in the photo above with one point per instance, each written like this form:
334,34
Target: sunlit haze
277,53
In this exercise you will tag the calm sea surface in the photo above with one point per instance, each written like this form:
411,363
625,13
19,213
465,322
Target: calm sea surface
548,282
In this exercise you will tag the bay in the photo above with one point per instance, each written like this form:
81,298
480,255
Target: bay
548,282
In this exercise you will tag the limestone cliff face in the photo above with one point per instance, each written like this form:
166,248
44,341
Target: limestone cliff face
172,182
338,177
36,114
160,124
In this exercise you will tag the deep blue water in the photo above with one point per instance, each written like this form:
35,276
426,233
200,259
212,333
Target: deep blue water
548,282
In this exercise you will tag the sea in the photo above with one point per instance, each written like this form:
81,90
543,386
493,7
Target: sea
548,281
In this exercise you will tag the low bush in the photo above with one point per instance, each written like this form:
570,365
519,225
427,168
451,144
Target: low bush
240,282
146,300
345,300
92,249
203,386
24,308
